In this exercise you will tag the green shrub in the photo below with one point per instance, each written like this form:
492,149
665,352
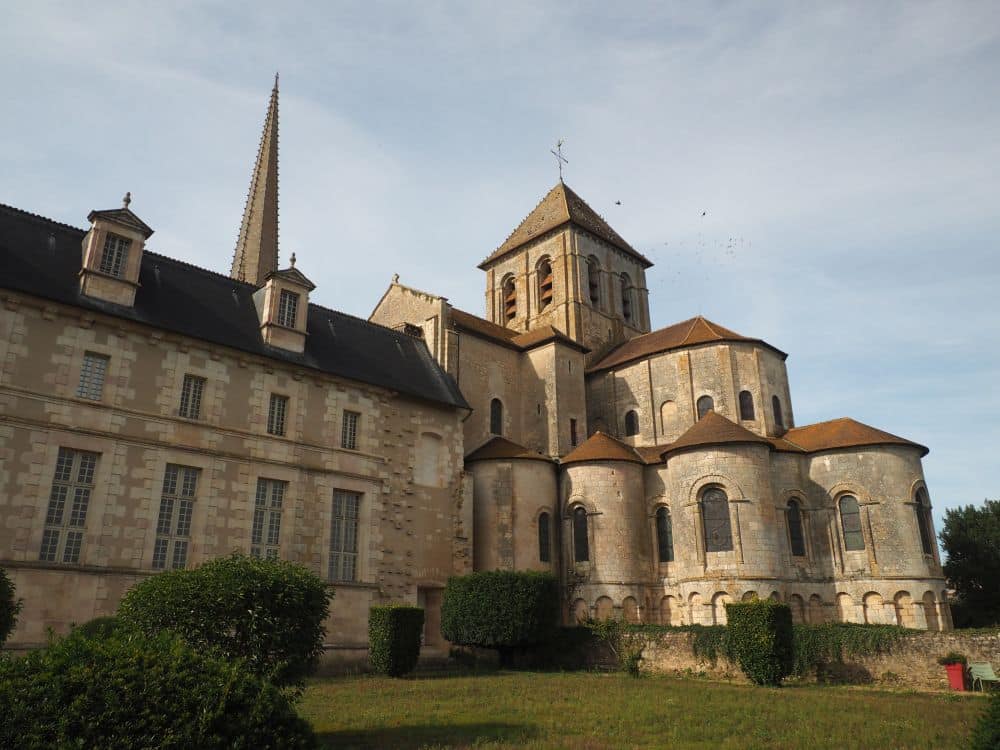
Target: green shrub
99,627
394,634
817,646
126,691
986,735
268,612
760,638
625,643
953,657
500,609
9,606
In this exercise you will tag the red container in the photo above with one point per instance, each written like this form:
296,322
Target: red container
956,676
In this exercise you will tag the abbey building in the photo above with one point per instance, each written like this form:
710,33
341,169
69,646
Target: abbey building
154,415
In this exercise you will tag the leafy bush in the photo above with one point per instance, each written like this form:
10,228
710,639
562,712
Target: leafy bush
99,627
9,606
626,644
986,735
819,645
953,657
126,691
761,639
268,612
500,609
394,634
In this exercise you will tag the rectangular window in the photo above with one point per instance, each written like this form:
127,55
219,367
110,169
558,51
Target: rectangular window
191,392
114,254
95,367
266,529
173,526
349,430
276,414
288,307
63,534
344,536
572,432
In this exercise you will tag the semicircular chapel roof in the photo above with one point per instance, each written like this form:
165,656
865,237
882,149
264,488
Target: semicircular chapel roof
714,429
499,448
844,433
601,447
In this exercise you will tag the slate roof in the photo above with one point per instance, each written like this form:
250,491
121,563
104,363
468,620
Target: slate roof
559,207
41,257
522,341
844,433
502,448
601,447
691,332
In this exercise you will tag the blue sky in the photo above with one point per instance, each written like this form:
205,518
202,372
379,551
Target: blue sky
846,156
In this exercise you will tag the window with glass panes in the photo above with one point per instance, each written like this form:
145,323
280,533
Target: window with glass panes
191,392
265,531
850,523
92,374
715,521
344,536
276,414
349,430
72,485
114,254
173,526
288,307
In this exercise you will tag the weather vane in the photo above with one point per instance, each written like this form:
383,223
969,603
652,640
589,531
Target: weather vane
560,159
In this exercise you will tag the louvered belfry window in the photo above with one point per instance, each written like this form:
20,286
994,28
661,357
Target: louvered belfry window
544,284
509,299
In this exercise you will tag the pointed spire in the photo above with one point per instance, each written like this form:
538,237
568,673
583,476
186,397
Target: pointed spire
257,247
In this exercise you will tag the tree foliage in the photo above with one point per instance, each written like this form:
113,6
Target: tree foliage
971,540
394,633
10,605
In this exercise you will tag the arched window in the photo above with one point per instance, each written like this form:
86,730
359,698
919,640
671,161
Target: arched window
581,545
746,405
496,417
795,535
776,405
850,522
626,298
715,521
509,299
664,535
705,405
631,423
544,284
544,545
923,510
594,280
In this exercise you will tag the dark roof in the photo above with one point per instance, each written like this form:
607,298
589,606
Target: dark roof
844,433
601,447
714,429
42,258
559,207
503,449
691,332
522,341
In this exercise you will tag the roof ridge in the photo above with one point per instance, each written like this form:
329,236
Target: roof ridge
525,217
690,330
46,219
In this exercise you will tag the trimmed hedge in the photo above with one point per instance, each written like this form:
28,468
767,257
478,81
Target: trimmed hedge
127,691
268,612
986,735
10,605
759,635
500,609
394,634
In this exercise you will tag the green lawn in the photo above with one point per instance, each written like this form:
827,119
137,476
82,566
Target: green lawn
590,710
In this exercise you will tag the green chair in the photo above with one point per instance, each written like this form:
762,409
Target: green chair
982,672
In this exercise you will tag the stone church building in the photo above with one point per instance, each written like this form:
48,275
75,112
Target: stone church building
154,415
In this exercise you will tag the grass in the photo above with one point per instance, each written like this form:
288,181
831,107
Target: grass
596,711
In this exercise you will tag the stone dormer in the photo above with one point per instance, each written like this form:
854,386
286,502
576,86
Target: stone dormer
282,306
112,254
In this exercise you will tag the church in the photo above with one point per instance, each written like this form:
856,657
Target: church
155,415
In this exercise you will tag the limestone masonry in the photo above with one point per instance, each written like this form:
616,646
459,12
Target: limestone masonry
154,415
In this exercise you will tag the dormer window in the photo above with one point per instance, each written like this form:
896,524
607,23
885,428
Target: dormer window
114,254
288,307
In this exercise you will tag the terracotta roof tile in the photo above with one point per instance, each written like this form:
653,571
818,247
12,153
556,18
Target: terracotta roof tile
559,207
715,429
843,433
652,454
601,447
538,336
502,448
510,338
689,332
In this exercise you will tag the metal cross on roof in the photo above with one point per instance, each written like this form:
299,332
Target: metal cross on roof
560,159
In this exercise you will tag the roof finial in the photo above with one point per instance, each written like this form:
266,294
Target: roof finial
395,278
560,159
127,199
293,260
275,79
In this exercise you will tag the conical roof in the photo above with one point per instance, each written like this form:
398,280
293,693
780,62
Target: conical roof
562,206
502,448
601,447
714,429
843,433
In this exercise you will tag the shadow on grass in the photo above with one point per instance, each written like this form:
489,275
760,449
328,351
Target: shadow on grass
435,735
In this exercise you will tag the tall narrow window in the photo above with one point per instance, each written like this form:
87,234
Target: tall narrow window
594,281
509,294
288,308
496,417
850,522
173,526
631,423
114,254
746,405
276,414
349,430
62,537
265,532
572,432
705,405
544,284
581,545
544,540
795,536
664,535
779,422
923,510
191,392
92,373
715,521
344,536
626,299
